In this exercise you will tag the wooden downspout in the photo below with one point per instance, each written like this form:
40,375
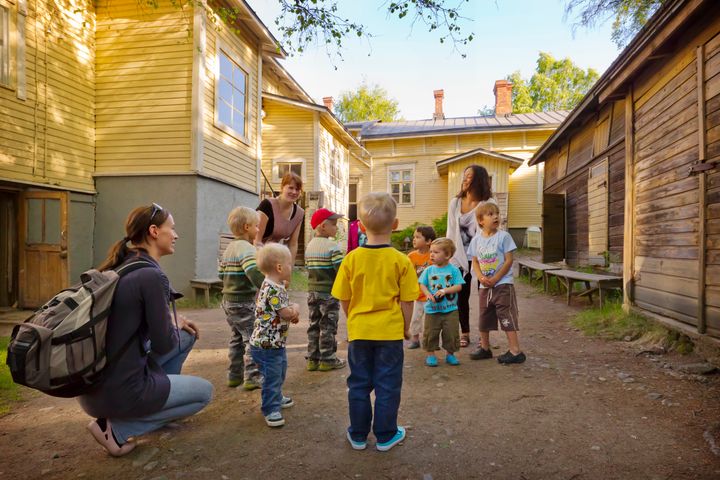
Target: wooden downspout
629,222
702,177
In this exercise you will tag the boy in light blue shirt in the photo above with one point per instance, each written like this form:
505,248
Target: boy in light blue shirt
491,251
441,282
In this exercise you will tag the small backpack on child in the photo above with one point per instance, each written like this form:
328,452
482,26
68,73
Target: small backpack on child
60,350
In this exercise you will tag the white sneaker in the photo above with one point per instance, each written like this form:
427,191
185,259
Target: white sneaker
286,402
275,419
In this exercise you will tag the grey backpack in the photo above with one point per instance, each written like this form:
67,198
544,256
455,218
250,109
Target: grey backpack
60,349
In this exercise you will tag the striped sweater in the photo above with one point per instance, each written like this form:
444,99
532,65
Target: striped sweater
322,259
239,272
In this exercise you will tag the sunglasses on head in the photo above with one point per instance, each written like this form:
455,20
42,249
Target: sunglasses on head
155,209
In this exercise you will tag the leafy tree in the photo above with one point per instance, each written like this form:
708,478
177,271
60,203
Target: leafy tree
555,85
367,102
628,15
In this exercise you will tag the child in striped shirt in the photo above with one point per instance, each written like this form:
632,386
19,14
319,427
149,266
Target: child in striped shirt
322,259
241,280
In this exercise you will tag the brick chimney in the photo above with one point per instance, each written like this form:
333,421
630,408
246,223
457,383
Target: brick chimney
329,102
439,95
503,97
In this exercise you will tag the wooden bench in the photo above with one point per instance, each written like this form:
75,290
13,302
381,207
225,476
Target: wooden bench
531,267
205,286
602,283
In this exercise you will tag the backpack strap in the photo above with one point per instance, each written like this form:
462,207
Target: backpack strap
122,271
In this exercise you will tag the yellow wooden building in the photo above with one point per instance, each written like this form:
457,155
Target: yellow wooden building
110,105
421,162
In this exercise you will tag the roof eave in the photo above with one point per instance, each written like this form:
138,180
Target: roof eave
462,131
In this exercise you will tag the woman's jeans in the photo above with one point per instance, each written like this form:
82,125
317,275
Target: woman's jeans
374,365
273,367
464,302
188,395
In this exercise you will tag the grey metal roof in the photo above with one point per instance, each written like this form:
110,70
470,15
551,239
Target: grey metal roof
375,129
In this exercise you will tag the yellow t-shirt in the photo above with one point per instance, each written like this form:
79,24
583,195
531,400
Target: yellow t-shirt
375,279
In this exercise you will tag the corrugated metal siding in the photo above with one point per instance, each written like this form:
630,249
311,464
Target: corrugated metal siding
50,137
144,74
226,156
288,133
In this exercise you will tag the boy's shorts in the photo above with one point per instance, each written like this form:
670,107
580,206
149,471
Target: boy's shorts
445,326
498,304
418,318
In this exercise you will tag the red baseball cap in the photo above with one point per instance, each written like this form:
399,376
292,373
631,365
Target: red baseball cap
322,214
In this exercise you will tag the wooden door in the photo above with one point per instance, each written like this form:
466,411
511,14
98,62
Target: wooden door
598,213
43,230
553,231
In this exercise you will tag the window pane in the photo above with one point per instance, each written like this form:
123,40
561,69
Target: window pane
239,101
224,113
395,188
239,79
406,198
52,221
394,176
296,168
225,90
406,187
238,122
396,197
226,66
407,175
34,220
352,193
283,168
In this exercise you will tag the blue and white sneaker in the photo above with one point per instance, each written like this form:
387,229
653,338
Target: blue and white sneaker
286,402
356,445
275,419
397,438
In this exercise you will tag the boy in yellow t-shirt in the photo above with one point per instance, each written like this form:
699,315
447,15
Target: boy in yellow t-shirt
376,286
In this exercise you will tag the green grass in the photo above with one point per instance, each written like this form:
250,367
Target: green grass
299,280
612,323
9,391
189,302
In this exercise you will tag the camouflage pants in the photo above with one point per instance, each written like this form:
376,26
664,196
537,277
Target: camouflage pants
241,318
324,312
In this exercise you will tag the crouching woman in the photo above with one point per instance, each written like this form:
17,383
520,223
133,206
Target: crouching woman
142,389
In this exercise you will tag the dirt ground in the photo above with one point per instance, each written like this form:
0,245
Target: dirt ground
579,408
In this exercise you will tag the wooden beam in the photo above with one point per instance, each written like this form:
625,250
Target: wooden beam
629,226
702,147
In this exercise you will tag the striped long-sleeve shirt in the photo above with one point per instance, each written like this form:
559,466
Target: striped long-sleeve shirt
239,272
322,259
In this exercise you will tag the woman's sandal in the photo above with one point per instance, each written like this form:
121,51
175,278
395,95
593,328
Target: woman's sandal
106,439
464,340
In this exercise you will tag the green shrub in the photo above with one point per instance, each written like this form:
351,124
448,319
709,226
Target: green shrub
398,238
9,391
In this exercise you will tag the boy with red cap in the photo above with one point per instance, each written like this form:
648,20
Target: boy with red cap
322,259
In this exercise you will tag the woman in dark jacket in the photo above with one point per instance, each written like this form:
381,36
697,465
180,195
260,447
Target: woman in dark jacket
142,389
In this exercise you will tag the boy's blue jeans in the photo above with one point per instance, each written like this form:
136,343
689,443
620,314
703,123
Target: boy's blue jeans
374,365
273,367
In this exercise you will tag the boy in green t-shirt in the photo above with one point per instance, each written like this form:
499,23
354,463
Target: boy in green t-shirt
376,286
241,280
322,259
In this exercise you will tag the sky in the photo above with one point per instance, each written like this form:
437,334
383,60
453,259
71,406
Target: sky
409,63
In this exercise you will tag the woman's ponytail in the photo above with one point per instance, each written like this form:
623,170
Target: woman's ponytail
116,255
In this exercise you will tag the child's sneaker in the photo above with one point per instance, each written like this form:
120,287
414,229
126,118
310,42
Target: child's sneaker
413,345
251,385
481,354
508,358
275,419
331,365
452,359
399,437
234,383
312,365
356,445
286,402
431,361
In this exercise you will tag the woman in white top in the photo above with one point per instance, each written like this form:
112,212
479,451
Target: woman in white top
461,227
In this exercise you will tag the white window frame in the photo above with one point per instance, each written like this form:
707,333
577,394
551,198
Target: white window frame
286,161
229,129
402,168
5,45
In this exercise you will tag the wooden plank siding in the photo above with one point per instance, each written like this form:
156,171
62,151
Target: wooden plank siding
287,134
144,75
423,152
334,170
48,137
498,169
225,156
